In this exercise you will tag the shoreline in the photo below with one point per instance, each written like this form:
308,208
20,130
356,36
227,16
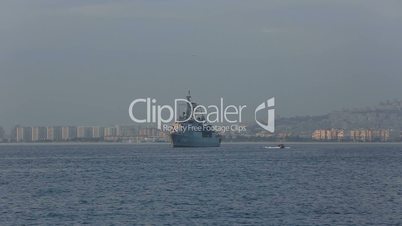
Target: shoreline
223,143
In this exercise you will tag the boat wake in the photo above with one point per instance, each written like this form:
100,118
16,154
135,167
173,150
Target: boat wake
276,147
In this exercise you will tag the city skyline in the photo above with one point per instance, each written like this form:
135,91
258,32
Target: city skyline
138,134
380,123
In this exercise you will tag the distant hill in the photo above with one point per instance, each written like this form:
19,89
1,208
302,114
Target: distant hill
386,115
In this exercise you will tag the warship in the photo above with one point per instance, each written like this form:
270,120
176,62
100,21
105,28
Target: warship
193,132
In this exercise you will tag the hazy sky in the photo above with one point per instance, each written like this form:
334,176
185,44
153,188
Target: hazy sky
82,62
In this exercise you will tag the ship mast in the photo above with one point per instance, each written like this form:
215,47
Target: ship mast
188,110
188,96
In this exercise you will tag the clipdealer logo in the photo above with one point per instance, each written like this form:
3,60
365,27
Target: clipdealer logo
232,114
269,106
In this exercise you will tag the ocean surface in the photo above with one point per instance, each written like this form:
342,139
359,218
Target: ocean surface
236,184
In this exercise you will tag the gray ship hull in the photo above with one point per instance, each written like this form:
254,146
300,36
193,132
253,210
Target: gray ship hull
187,140
193,131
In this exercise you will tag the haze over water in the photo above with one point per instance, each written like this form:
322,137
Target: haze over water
82,62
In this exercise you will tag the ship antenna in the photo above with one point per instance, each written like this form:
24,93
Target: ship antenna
189,105
189,96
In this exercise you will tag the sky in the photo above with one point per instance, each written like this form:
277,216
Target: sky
73,62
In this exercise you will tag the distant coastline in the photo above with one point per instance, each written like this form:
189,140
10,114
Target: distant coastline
223,143
380,123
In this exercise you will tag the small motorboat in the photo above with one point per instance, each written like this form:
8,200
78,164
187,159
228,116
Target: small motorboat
279,146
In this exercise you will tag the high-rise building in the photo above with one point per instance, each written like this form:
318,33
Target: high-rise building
50,134
35,134
362,135
19,134
57,133
85,132
110,132
42,133
127,131
328,134
89,132
2,134
81,132
96,132
72,132
65,133
27,134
